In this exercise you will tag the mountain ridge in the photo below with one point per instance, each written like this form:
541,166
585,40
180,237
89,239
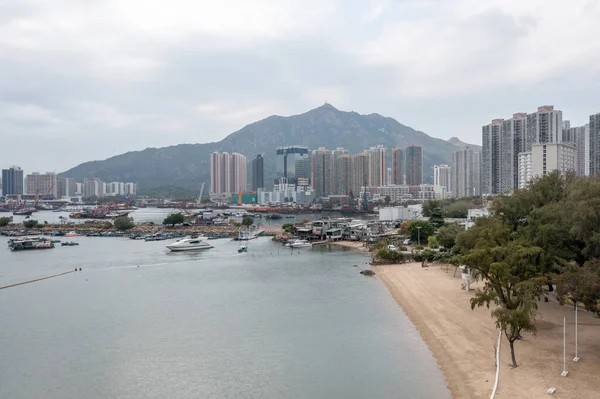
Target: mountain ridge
187,165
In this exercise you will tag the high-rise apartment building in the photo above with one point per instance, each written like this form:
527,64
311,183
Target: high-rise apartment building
12,181
594,146
130,189
397,166
511,143
442,177
93,188
335,182
343,174
548,157
377,165
66,187
490,157
292,163
466,173
524,170
258,174
228,173
543,126
42,184
579,137
360,172
414,165
322,173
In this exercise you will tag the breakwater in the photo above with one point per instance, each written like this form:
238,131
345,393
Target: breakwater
139,229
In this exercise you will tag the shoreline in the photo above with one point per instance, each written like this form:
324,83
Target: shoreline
351,244
463,341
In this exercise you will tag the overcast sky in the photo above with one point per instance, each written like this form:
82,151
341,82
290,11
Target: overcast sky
85,80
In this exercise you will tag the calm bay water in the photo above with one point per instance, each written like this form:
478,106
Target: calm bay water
270,323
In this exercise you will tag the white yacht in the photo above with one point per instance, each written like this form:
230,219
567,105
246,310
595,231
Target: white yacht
300,244
189,244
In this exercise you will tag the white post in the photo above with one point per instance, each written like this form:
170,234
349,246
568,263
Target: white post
576,358
564,372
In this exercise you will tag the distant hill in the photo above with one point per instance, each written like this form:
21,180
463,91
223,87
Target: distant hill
457,142
187,165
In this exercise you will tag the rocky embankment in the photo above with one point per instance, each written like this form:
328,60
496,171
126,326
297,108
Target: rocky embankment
139,229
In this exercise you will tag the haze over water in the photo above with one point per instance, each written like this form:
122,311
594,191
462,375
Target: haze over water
215,324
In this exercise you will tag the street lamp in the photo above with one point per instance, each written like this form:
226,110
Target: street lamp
419,235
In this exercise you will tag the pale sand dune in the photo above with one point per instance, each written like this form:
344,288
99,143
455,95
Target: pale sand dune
463,341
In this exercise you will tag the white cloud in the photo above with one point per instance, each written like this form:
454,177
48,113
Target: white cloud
150,73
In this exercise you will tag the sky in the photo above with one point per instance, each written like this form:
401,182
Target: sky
87,80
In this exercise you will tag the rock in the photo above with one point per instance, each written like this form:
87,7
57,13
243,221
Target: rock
367,273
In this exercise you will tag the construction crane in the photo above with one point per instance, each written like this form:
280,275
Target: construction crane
37,194
201,192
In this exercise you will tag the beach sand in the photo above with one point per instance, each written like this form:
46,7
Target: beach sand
350,244
463,340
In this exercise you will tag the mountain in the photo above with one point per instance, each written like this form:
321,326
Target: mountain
457,142
187,165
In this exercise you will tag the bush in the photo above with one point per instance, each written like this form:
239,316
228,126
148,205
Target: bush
429,255
29,224
288,227
124,223
432,242
4,221
173,219
391,256
418,247
402,248
382,245
107,225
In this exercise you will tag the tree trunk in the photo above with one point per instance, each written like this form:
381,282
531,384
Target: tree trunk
512,353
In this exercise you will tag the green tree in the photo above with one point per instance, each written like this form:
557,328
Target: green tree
430,205
173,219
510,270
581,284
457,209
288,227
436,218
432,242
4,221
29,224
247,221
426,230
123,223
446,235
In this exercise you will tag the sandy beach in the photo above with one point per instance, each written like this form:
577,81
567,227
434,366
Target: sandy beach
350,244
463,340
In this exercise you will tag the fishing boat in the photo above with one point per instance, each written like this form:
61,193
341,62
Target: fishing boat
24,211
249,234
189,244
243,248
69,244
30,243
71,234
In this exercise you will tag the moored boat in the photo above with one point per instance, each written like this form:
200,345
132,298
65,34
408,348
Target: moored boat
30,243
299,244
69,244
24,211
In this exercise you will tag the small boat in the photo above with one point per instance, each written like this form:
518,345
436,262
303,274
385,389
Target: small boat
71,234
24,212
289,216
299,244
189,244
69,244
55,241
243,248
29,243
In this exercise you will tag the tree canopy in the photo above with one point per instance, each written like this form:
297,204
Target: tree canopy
124,223
420,230
247,221
549,232
173,219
